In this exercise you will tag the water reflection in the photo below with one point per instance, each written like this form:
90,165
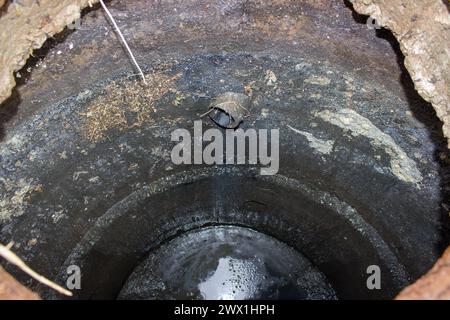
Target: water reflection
226,263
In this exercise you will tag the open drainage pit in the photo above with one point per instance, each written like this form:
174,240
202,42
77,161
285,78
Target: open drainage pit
88,178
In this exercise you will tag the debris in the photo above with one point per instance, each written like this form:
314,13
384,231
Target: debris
32,242
14,200
179,97
248,89
271,78
318,80
63,155
8,255
94,180
229,109
77,174
125,104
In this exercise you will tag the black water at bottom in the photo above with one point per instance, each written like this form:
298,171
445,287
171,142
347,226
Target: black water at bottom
226,263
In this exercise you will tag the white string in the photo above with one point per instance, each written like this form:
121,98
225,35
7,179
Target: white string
123,40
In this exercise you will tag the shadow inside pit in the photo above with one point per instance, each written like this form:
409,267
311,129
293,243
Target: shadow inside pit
447,4
424,113
9,108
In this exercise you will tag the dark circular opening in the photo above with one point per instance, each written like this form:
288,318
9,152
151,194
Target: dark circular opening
337,241
226,263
